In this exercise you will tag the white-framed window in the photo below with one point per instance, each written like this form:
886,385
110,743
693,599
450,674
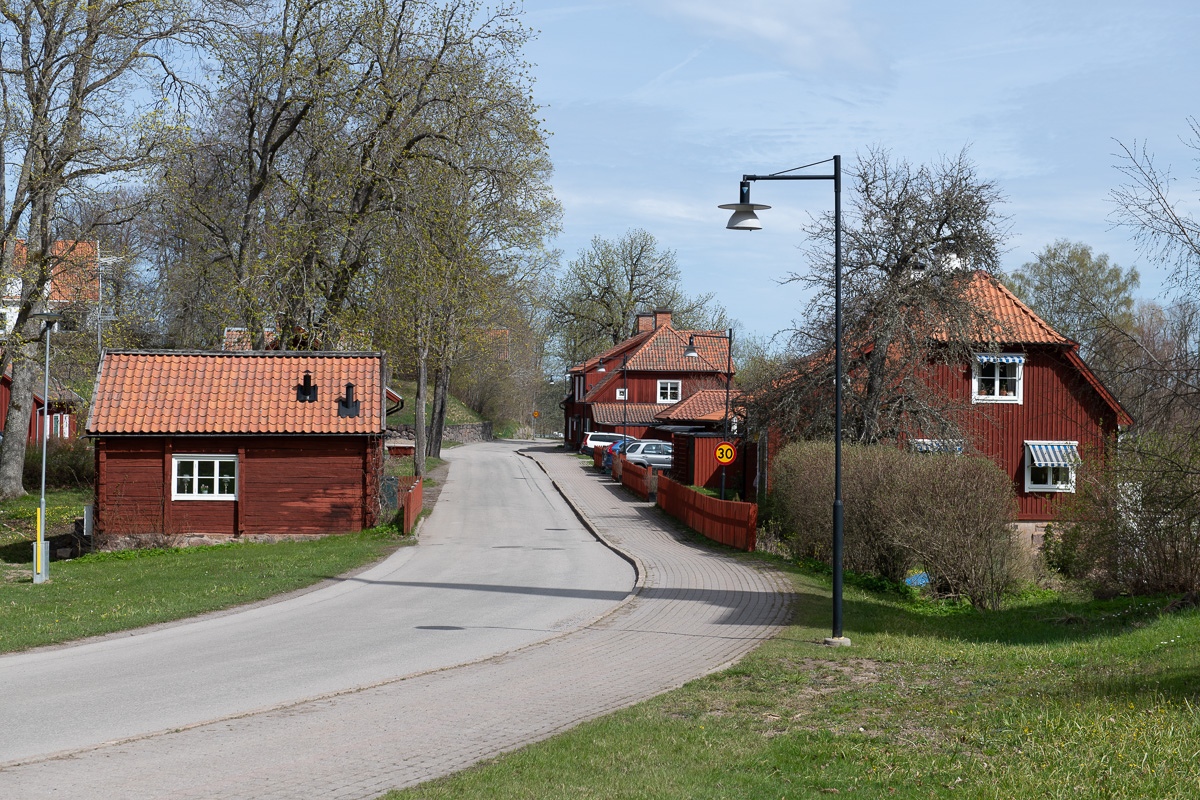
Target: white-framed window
998,378
1050,466
668,391
954,446
621,394
204,477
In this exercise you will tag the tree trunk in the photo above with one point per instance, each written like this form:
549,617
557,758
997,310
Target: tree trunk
441,391
16,425
419,412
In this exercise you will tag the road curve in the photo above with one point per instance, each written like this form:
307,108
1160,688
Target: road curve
695,611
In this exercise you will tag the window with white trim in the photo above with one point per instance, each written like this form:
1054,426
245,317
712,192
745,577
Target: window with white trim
668,391
203,477
997,378
1050,466
954,446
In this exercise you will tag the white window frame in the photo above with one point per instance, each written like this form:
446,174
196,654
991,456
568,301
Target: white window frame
1018,397
948,446
621,394
194,459
668,385
1030,486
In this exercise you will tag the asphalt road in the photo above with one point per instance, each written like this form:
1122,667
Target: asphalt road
503,563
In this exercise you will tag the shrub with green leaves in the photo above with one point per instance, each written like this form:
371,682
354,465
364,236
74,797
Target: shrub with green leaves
1133,523
70,464
948,514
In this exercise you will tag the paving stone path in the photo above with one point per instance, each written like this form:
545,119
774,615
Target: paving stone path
694,611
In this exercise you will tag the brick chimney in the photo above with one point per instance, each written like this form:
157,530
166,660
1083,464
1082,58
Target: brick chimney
645,322
662,316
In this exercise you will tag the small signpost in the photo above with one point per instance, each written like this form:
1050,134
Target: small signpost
726,453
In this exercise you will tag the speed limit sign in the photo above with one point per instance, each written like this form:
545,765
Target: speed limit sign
726,453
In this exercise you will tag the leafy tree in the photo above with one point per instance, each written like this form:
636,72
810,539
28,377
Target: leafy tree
84,90
1081,295
912,237
601,291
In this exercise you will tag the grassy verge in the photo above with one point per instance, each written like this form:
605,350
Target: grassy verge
1053,697
106,592
405,468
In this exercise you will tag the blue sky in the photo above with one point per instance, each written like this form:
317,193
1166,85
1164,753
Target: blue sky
657,107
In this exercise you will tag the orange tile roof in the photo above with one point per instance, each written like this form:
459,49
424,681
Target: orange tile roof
704,404
1016,323
74,277
249,392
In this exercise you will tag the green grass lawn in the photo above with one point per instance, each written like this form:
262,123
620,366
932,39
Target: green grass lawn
1053,697
456,412
405,468
106,592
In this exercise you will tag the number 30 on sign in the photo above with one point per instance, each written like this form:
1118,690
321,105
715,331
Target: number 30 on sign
726,453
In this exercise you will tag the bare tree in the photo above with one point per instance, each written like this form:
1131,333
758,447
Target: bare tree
912,237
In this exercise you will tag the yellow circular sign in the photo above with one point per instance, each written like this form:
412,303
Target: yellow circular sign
537,414
726,453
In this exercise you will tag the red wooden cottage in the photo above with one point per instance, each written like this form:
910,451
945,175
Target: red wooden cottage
228,444
1035,405
624,388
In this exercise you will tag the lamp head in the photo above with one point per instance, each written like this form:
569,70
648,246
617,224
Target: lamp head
743,217
601,367
690,352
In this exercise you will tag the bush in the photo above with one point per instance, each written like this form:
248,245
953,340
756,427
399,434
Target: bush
948,514
1133,524
70,464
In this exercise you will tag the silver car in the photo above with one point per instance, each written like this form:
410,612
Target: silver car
650,454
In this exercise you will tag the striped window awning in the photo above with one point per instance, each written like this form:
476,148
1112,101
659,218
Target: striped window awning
988,358
1053,454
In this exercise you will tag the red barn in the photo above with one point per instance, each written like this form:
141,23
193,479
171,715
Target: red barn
230,444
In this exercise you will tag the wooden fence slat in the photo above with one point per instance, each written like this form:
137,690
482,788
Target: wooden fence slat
724,521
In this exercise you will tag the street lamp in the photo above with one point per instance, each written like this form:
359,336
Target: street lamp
690,352
744,219
41,549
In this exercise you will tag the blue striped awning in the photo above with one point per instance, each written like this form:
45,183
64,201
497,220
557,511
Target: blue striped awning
1053,455
987,358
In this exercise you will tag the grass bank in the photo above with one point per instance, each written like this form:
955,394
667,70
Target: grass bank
1052,697
457,412
106,592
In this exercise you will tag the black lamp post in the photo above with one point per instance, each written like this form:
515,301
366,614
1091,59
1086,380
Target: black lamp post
625,392
744,219
690,352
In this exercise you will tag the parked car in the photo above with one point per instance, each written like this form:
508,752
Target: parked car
613,449
650,454
595,439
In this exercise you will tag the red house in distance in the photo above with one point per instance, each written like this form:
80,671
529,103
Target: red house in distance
624,389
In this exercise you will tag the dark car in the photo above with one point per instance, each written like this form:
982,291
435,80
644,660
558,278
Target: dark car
613,449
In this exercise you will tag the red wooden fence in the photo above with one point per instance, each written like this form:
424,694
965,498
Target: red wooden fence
724,521
411,498
635,478
598,457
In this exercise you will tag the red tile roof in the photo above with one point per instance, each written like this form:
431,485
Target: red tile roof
661,350
703,405
250,392
239,339
620,413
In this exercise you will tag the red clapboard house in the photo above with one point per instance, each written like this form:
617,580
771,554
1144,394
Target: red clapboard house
1029,403
1035,406
624,389
64,406
228,444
